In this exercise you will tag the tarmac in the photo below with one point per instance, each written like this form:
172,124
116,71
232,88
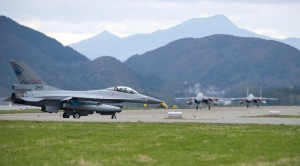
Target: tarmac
227,115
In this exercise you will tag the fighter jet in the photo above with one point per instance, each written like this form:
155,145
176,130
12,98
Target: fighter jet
250,99
32,90
200,98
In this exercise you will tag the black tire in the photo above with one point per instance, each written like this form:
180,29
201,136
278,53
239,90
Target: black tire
66,115
113,117
76,115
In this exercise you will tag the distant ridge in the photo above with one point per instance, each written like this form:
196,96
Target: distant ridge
222,61
97,46
123,48
13,34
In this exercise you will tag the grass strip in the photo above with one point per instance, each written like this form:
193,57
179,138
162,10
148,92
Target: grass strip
86,143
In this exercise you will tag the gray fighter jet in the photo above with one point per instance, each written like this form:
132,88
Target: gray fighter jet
200,98
32,90
250,99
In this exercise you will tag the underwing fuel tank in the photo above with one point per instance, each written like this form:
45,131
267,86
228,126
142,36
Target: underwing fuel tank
92,107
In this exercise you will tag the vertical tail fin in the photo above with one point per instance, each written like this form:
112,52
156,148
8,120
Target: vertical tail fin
25,74
28,79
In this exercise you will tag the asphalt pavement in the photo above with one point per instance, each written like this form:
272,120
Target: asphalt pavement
234,115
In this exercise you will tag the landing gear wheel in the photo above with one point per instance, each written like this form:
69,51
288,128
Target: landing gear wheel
76,115
113,117
66,115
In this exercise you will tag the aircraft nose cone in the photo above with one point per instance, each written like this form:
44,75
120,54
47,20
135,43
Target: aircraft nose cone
151,100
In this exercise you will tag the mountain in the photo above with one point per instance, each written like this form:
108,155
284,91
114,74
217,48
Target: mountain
295,42
23,40
106,72
47,56
59,66
123,48
99,45
222,61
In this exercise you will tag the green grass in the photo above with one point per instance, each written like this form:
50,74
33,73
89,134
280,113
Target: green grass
71,143
20,111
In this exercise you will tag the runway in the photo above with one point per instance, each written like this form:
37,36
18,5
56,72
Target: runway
228,115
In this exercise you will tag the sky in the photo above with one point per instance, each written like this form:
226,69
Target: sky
70,21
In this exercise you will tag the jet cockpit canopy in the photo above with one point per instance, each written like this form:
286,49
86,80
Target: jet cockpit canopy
123,89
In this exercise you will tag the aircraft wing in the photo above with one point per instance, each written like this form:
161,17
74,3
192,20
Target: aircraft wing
206,98
266,98
184,98
97,99
217,98
96,96
77,98
239,98
107,100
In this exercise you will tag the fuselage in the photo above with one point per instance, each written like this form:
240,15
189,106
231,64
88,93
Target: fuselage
100,96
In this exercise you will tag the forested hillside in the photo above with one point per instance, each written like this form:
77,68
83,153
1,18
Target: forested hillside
222,61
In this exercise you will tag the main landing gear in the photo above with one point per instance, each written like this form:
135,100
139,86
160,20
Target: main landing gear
76,115
66,115
113,116
198,107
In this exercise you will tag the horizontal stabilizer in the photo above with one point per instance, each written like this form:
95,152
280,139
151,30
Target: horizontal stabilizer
31,99
8,99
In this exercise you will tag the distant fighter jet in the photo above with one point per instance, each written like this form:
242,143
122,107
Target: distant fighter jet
200,98
33,91
250,98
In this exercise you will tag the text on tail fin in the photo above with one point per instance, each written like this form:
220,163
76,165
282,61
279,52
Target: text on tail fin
25,74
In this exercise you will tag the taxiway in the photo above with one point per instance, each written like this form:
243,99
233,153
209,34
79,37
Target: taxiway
234,115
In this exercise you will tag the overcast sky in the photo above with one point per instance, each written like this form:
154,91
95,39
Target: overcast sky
70,21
